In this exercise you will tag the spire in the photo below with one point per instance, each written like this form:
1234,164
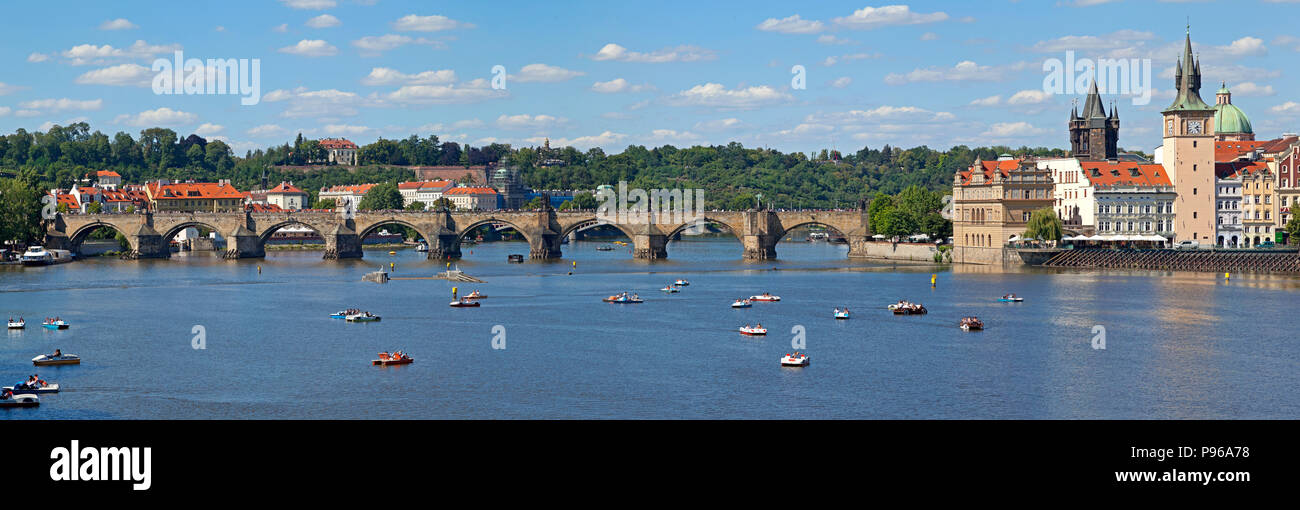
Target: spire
1188,80
1093,107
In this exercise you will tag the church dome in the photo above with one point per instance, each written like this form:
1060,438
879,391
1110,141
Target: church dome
1228,119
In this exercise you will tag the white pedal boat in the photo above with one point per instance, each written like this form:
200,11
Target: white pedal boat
794,360
21,400
48,388
742,303
753,330
765,297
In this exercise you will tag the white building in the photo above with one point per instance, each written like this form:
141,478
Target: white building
287,197
341,151
1073,195
472,198
337,193
426,192
1227,207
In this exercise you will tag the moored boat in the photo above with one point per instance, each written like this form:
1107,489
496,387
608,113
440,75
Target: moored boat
37,256
476,295
396,358
624,298
464,303
742,303
516,258
1011,298
18,324
681,283
671,289
841,314
907,308
57,358
20,400
362,317
748,330
765,297
797,359
45,387
604,248
55,324
972,324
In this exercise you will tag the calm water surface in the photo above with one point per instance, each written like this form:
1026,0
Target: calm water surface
1178,345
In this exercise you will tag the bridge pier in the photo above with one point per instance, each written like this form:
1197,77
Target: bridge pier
242,243
342,243
147,243
649,246
544,245
759,246
443,247
857,245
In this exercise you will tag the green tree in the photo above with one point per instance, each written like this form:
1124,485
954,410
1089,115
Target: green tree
1044,224
416,206
536,203
1293,230
94,208
443,203
20,211
381,197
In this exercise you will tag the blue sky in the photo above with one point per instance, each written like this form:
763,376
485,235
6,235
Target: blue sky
611,74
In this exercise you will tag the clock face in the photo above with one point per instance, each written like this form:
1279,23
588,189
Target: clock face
1193,127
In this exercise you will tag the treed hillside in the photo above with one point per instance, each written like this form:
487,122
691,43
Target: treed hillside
730,174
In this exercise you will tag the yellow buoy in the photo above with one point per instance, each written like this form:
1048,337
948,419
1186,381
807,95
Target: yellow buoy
1227,276
933,278
391,252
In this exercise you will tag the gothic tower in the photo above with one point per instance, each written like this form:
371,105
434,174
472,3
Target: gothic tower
1094,135
1188,152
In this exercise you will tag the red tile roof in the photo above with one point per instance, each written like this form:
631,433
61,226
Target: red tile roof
192,190
285,187
337,143
357,188
1003,167
255,207
106,173
1124,173
1228,151
471,191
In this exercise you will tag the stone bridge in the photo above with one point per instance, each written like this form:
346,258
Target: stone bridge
246,233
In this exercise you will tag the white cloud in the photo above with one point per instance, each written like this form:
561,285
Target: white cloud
161,117
387,76
37,57
324,21
1252,89
117,24
716,95
267,130
719,124
841,82
673,136
1011,129
868,18
64,104
929,36
4,110
684,53
85,54
311,48
443,94
208,130
435,23
314,5
1129,41
27,113
832,60
963,71
347,130
6,89
1030,96
1290,107
830,39
124,75
49,124
618,85
373,45
987,101
1246,46
542,73
282,28
791,25
532,122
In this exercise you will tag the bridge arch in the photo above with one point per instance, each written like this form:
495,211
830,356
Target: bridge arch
593,222
363,232
177,228
462,232
265,234
831,226
671,234
79,235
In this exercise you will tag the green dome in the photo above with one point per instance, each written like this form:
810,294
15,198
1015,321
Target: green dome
1230,119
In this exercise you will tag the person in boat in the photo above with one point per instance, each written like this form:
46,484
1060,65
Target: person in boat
57,353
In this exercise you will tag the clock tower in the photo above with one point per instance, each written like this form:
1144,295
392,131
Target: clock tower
1188,153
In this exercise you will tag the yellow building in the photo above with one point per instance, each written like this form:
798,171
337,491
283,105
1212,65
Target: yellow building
992,203
167,196
1258,205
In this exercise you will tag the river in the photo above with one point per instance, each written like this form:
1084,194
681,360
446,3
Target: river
1177,345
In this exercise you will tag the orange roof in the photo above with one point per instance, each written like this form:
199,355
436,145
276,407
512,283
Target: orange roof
285,187
1003,167
106,173
357,188
192,190
263,208
1124,173
337,143
471,191
67,199
1228,151
424,184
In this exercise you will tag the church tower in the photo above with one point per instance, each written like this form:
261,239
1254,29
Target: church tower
1188,152
1094,135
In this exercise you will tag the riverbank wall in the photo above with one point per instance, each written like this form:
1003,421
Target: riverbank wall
1218,261
915,252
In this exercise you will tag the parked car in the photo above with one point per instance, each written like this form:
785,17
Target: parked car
1187,245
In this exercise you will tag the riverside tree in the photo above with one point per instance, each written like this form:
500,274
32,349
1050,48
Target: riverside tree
1044,224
